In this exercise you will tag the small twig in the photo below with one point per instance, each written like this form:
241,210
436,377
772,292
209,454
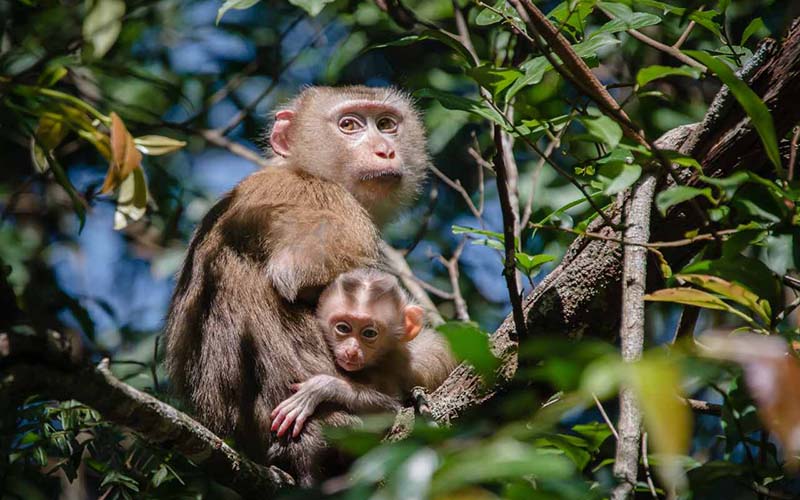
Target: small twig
416,287
605,416
451,264
510,261
433,197
646,463
686,324
537,170
682,39
677,54
456,186
218,139
653,245
703,407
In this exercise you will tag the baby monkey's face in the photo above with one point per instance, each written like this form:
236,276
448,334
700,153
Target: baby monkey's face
358,339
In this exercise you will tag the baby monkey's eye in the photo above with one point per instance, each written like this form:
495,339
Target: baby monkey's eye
343,327
369,333
387,124
348,124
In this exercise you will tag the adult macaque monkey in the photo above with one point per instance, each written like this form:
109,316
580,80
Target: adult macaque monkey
378,340
240,331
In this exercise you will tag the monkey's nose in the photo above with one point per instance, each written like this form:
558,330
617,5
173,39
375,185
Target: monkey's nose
387,154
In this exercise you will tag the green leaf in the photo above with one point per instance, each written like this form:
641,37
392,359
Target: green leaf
752,104
688,297
448,40
602,128
238,5
487,17
731,291
496,460
746,271
470,344
618,176
655,72
494,79
678,194
156,145
535,68
756,26
483,232
458,103
313,7
529,264
102,25
631,21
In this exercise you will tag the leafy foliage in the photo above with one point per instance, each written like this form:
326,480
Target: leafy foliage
121,123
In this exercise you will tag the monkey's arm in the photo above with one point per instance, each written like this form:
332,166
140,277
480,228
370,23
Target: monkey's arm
431,360
326,388
313,247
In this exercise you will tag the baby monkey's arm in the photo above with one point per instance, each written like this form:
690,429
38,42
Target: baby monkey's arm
298,407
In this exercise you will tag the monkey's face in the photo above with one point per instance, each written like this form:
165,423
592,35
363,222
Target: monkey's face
358,340
370,141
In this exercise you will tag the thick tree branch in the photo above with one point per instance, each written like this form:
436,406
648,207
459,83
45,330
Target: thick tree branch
38,365
634,275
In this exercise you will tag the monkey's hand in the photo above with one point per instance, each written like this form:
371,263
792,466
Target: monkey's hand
299,406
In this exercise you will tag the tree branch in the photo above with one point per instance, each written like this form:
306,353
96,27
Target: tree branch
43,365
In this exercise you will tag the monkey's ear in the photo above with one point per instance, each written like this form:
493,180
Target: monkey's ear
413,319
279,138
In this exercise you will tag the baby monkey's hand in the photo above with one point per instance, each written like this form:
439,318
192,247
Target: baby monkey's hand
298,407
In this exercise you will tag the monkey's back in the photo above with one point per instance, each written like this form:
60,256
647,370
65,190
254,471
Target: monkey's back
234,345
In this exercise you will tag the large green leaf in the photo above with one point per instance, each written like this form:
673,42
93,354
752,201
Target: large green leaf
731,291
494,79
470,344
752,104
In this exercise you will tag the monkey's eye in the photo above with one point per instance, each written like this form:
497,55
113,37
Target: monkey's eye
348,125
387,124
343,327
369,333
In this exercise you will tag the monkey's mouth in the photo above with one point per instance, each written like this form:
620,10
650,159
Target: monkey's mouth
385,174
348,366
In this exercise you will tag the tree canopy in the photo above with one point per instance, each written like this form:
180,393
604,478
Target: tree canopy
609,239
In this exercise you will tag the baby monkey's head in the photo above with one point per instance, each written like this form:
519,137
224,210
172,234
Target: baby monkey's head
364,315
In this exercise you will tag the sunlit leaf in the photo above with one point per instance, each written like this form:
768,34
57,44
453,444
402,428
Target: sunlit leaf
657,382
730,291
102,25
688,297
655,72
749,272
756,26
313,7
155,145
494,79
131,200
448,40
487,17
236,5
752,104
124,155
618,176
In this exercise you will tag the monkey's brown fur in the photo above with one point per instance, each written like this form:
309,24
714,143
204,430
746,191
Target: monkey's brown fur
238,334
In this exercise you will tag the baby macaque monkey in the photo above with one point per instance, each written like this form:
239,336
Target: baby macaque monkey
379,345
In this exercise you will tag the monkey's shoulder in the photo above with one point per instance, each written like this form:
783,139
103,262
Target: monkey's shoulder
286,187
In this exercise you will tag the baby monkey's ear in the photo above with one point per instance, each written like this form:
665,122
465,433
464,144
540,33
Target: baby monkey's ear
412,321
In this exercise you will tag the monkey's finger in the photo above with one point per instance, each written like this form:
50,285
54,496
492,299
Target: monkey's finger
295,387
278,420
288,421
298,424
